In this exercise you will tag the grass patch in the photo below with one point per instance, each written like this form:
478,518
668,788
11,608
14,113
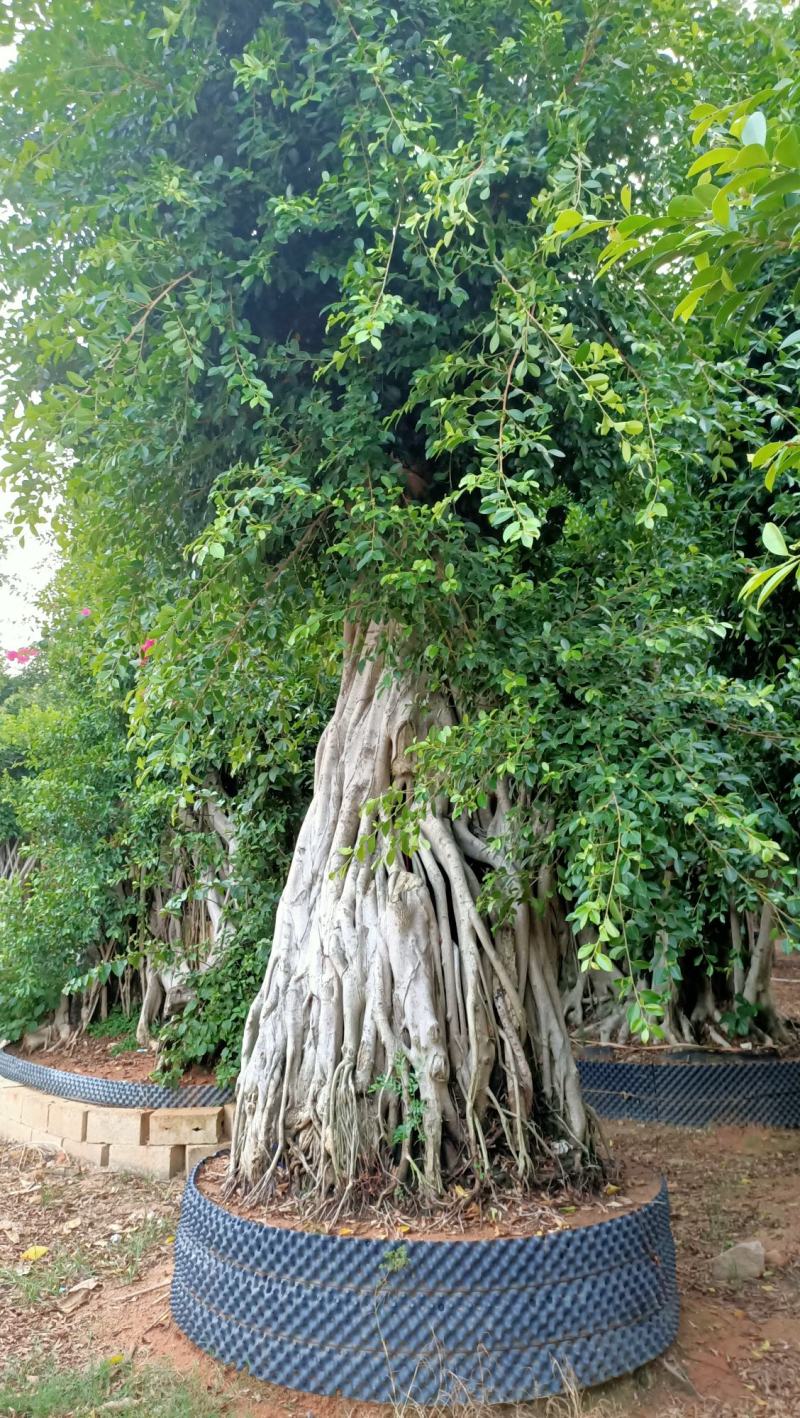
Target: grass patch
46,1278
51,1194
54,1273
131,1251
149,1392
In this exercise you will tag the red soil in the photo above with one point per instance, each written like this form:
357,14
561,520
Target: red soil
96,1057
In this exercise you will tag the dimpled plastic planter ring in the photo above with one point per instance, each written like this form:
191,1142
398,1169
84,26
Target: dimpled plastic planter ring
113,1123
694,1090
494,1321
108,1092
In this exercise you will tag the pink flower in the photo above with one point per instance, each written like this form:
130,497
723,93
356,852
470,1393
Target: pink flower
86,611
145,648
12,654
23,655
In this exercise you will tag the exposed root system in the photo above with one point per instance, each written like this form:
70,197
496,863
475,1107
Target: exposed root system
399,1029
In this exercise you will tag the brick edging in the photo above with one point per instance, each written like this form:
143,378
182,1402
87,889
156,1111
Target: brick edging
161,1142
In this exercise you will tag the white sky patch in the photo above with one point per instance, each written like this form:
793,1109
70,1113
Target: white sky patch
25,570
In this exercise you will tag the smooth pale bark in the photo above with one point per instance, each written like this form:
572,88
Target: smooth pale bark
398,1028
201,933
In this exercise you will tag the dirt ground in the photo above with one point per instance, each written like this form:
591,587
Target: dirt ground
102,1287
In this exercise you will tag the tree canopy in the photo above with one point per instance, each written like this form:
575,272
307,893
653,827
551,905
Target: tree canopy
331,315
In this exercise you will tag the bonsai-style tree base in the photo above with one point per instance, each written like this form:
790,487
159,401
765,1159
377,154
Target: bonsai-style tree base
401,1032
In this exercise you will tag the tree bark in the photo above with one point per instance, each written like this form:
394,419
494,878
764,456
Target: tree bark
200,934
399,1031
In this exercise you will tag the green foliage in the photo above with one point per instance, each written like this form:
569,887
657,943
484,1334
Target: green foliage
65,792
402,1082
117,1026
738,1020
728,250
304,324
210,1027
267,816
395,1259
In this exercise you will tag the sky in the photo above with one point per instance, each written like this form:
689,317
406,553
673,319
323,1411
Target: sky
24,572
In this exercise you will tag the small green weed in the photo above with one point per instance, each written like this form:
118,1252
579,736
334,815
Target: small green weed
117,1026
46,1277
150,1392
395,1259
402,1081
124,1046
51,1194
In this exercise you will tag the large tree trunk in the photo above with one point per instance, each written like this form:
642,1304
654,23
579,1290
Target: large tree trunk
398,1031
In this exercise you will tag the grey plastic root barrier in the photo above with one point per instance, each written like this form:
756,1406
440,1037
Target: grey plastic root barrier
108,1092
433,1321
697,1092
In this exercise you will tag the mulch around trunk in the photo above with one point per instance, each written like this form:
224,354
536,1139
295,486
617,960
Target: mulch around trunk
459,1217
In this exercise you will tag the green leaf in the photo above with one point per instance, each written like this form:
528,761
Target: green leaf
773,540
685,308
721,211
787,151
567,219
775,580
753,155
630,226
765,454
625,197
712,158
753,582
755,129
615,251
685,206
